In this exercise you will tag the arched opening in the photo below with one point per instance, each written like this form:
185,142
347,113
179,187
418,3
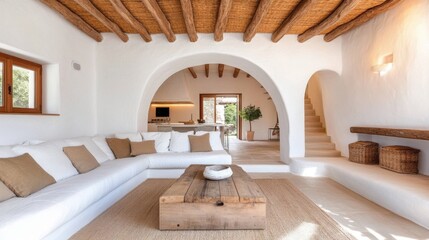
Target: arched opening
163,72
318,112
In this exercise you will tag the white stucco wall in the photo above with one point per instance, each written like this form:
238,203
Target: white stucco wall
31,29
398,99
130,73
251,91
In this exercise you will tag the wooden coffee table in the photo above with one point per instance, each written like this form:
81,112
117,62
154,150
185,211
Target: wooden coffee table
194,202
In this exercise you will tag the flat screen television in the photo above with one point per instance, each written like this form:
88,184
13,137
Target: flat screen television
162,112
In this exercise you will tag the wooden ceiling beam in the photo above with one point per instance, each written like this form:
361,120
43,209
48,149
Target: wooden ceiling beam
260,13
236,72
339,13
73,19
156,12
207,69
222,19
129,18
89,7
191,70
188,16
299,11
220,69
361,19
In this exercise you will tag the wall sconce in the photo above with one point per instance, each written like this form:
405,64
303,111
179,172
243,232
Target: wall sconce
385,66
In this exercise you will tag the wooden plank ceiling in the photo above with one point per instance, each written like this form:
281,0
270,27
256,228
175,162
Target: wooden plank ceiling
306,18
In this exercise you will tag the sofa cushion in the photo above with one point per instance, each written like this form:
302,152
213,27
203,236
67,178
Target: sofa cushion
144,147
121,148
60,202
162,140
51,158
134,137
182,160
100,141
23,175
215,140
5,192
180,142
81,158
90,145
200,143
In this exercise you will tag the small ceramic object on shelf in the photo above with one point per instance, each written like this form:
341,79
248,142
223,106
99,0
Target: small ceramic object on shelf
217,172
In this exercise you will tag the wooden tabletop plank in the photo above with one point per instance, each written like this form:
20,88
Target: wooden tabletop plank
248,190
196,188
210,192
176,193
228,192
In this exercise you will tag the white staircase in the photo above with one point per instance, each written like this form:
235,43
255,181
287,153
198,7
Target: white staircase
317,142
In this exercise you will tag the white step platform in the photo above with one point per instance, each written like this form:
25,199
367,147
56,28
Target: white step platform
403,194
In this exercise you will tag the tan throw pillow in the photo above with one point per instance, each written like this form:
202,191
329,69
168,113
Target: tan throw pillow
145,147
23,175
81,158
121,148
5,192
200,143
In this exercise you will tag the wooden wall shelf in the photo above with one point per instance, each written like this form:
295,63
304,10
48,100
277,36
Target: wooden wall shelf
393,132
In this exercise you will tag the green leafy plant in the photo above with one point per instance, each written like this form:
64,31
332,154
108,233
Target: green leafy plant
251,113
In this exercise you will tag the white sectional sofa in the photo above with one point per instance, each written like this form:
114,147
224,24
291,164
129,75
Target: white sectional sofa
61,209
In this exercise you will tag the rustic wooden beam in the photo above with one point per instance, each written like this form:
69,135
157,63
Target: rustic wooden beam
361,19
191,70
188,16
156,12
299,11
128,17
89,7
260,13
207,69
220,69
236,72
73,19
393,132
337,15
222,19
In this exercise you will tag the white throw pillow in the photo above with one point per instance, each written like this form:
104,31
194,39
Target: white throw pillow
162,140
134,137
100,141
99,155
51,158
215,141
180,141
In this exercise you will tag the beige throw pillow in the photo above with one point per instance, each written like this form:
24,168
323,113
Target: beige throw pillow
145,147
200,143
121,148
23,175
5,192
81,158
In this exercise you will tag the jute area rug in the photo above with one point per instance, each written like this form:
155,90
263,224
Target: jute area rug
290,215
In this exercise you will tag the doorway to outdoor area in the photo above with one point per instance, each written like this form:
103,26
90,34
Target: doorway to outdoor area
222,108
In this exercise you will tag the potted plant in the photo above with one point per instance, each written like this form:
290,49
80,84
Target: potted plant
250,113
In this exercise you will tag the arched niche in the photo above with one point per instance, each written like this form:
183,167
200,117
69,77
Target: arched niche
164,71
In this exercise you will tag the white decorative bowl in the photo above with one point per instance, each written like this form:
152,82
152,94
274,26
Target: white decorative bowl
217,172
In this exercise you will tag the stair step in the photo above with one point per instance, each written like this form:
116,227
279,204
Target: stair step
315,130
322,153
310,112
319,146
313,124
317,138
312,119
307,100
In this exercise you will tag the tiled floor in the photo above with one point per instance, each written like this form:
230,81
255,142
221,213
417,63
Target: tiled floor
362,218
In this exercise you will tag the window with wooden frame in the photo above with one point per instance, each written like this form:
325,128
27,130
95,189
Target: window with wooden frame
20,85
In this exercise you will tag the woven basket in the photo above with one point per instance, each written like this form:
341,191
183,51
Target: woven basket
399,159
363,152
